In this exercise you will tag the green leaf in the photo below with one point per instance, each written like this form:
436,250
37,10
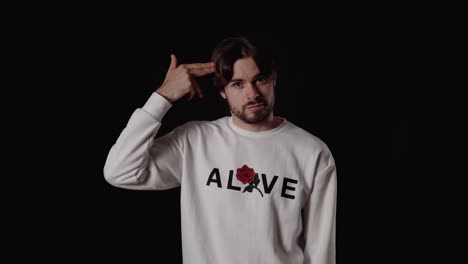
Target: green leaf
248,188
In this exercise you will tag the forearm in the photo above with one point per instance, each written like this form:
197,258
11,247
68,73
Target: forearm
128,160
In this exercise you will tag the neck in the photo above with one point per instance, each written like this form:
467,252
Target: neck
267,124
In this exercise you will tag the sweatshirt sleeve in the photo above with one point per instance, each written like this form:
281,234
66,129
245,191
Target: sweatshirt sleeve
319,215
139,161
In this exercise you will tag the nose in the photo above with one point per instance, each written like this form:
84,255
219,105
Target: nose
252,91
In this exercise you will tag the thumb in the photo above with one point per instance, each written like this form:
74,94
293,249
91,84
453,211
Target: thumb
173,64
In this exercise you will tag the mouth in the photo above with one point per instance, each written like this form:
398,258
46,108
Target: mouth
255,106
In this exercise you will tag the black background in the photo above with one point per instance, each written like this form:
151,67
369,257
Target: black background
347,83
346,86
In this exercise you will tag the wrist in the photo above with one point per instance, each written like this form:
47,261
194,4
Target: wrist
165,95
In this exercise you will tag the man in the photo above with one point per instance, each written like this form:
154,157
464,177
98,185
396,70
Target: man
255,187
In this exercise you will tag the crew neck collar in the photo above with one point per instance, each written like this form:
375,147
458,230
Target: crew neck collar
257,134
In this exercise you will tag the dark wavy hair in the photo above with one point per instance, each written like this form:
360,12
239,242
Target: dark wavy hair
229,50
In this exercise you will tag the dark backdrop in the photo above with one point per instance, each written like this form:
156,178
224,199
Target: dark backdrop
348,86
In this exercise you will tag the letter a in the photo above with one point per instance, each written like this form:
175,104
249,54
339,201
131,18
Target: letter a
214,177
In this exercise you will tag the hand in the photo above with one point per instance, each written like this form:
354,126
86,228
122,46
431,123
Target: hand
180,79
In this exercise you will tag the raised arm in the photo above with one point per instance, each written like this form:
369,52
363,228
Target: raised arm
139,161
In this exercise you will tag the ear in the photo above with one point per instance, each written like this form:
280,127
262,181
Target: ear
223,94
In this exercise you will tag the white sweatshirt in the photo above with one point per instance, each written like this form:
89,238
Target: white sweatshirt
246,197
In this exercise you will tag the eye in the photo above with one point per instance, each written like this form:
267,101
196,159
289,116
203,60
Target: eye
236,84
261,80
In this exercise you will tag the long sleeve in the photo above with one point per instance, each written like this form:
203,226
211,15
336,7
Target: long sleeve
319,215
139,161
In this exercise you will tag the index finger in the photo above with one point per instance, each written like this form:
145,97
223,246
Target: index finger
200,65
201,71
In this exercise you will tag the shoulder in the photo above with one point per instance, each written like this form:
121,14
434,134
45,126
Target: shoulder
197,126
304,136
307,141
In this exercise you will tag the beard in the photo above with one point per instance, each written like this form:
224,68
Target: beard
255,116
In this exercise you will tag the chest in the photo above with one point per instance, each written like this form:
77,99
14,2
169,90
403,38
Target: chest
269,170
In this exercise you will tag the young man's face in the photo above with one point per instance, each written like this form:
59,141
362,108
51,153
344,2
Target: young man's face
249,94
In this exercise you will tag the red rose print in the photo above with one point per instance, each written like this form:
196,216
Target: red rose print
248,175
245,174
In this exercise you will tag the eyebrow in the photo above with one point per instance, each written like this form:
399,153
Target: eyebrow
255,77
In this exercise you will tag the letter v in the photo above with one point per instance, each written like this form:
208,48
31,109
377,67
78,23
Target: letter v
268,187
